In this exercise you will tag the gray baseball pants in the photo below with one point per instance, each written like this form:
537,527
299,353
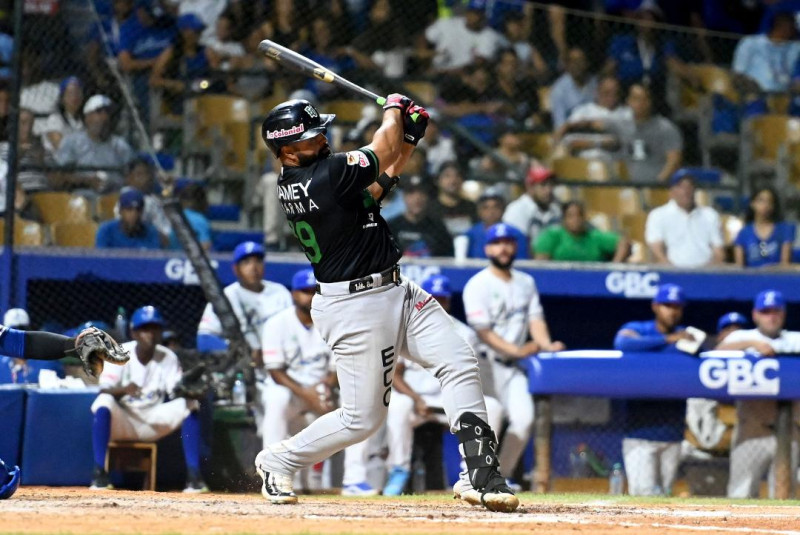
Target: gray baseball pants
366,332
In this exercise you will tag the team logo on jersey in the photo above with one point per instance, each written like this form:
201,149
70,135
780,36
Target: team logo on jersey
421,304
311,111
357,158
286,132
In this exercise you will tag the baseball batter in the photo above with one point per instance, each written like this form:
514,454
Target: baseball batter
502,305
135,401
418,399
92,346
301,378
754,443
366,313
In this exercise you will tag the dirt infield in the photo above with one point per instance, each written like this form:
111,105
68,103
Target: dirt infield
41,510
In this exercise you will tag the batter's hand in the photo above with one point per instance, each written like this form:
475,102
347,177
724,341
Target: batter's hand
401,102
415,122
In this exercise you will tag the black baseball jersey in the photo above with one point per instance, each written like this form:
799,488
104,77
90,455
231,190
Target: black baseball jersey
335,218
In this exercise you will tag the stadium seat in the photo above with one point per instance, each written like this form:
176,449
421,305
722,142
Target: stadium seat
61,206
347,111
74,234
26,233
265,105
582,169
766,133
236,136
208,112
538,145
600,221
633,226
424,91
134,457
105,206
731,225
655,197
711,79
614,201
544,98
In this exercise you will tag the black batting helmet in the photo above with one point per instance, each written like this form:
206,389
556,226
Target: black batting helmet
292,121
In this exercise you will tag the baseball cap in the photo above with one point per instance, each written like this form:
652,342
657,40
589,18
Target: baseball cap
492,193
16,318
669,294
414,183
248,248
148,315
731,318
304,280
437,286
500,231
67,81
538,174
131,198
97,102
680,174
769,299
190,21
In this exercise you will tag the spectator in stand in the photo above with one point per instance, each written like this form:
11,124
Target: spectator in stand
457,212
754,444
95,146
509,147
531,62
645,57
69,116
575,240
439,148
654,428
140,176
583,134
537,208
39,93
768,62
519,93
471,99
5,107
141,39
181,63
682,233
223,51
651,144
575,87
381,46
31,156
130,231
394,205
100,77
193,199
208,11
463,40
766,239
326,54
23,205
491,205
6,50
255,83
283,26
418,232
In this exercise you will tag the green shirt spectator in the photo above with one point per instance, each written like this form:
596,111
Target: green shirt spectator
576,241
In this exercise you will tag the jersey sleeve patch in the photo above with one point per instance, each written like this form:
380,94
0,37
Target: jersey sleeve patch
356,157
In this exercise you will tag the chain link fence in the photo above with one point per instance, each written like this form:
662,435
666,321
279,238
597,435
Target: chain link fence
573,111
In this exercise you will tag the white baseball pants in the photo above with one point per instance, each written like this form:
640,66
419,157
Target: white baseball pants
147,424
651,466
367,331
402,420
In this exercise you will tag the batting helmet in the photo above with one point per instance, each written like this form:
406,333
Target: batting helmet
148,315
9,480
293,121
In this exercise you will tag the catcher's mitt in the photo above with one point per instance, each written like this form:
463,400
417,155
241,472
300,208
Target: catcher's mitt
194,383
94,347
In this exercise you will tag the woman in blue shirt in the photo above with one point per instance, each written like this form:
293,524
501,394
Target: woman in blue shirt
765,240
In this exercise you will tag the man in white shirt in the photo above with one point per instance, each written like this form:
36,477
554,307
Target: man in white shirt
137,401
754,443
300,379
682,233
502,305
537,208
462,40
417,399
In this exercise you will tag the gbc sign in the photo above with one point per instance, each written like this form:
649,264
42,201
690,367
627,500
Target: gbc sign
179,269
632,283
742,376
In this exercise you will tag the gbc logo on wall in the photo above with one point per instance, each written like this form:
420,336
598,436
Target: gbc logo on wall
632,283
179,269
741,376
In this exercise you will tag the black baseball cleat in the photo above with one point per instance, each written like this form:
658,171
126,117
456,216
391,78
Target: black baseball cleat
100,480
277,488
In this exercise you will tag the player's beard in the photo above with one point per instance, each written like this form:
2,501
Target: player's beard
323,153
501,265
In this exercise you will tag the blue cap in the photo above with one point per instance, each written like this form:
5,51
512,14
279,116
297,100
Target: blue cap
500,231
69,80
680,174
148,315
769,299
669,294
437,286
247,248
731,318
131,198
190,21
304,280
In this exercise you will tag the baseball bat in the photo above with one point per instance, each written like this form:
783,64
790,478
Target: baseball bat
300,63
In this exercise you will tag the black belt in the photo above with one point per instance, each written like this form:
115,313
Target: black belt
390,276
